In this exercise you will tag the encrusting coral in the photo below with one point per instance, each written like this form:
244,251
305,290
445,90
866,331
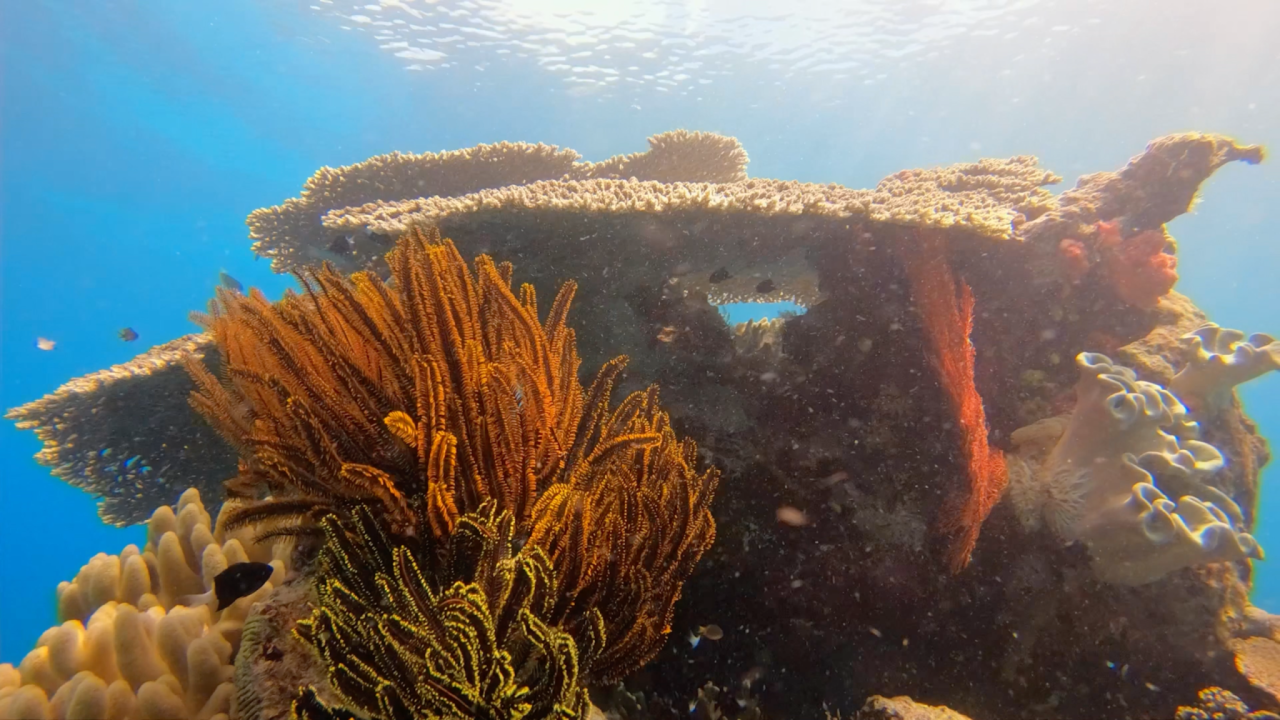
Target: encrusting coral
1106,476
1218,359
125,647
426,398
456,632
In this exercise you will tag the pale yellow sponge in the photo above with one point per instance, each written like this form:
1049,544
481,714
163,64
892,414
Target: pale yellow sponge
183,554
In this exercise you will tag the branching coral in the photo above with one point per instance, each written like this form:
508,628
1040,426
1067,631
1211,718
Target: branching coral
466,633
1218,359
427,398
1106,477
947,315
125,647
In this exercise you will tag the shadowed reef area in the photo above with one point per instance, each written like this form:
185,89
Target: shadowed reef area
996,465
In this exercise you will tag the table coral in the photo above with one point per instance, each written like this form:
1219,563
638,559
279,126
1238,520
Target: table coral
291,235
130,464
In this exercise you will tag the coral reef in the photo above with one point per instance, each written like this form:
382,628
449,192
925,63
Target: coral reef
126,647
1105,477
838,415
1218,359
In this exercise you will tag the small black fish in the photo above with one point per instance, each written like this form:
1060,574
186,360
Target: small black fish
239,580
766,286
230,283
720,275
341,245
128,335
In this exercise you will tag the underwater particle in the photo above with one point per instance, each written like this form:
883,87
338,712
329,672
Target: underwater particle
128,334
796,584
766,286
794,517
720,276
229,282
864,344
769,376
667,334
45,343
240,580
834,478
875,632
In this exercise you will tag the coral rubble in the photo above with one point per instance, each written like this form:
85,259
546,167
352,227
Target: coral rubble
1114,584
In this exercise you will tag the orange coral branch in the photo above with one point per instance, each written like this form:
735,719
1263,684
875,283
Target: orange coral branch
947,314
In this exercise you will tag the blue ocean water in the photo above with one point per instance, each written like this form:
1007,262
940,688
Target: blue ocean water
136,136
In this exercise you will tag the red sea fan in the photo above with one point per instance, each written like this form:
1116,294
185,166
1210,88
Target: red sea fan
947,314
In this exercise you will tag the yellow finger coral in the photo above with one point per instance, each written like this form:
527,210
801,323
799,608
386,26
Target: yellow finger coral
126,663
125,647
183,553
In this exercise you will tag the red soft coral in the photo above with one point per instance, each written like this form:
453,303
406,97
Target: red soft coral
1138,268
1074,258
